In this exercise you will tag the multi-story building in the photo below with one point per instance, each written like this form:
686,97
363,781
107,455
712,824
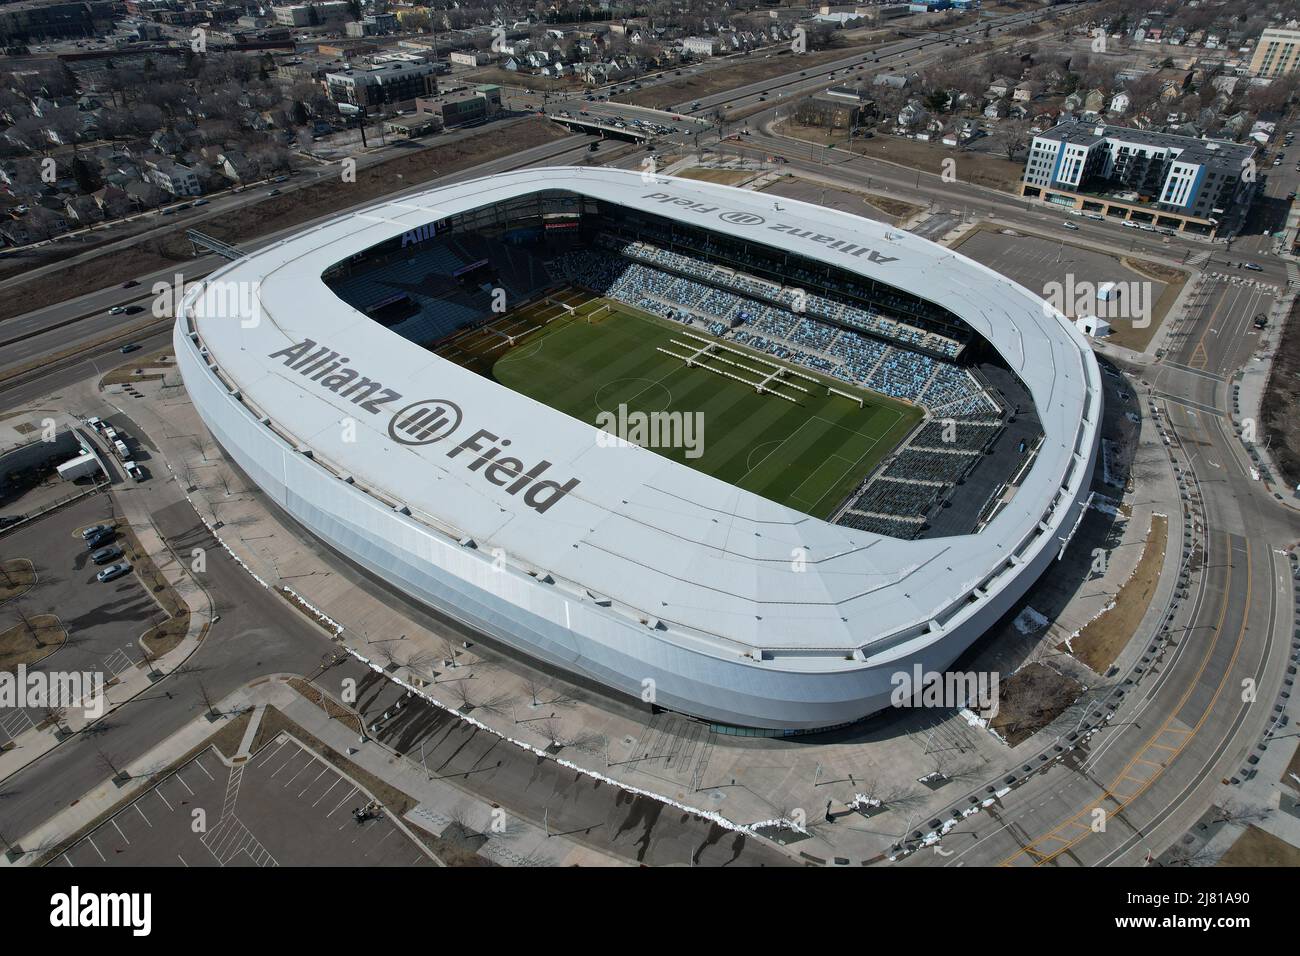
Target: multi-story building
382,84
460,107
470,57
700,46
25,22
310,14
1277,53
1179,182
173,177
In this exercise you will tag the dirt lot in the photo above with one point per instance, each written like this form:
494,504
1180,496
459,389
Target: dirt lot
983,169
1122,331
1031,699
684,89
1101,641
279,212
1281,407
147,368
727,177
1258,847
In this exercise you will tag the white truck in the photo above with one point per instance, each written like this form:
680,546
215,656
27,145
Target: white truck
79,467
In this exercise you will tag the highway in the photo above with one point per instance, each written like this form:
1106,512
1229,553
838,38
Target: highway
84,323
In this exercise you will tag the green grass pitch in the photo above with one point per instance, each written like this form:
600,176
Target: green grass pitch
808,456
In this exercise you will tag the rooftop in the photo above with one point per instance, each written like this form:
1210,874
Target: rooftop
709,560
1215,153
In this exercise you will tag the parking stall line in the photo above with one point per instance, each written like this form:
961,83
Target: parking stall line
305,766
199,764
184,784
324,770
95,848
281,767
267,753
182,859
142,816
158,791
337,781
345,799
68,860
119,831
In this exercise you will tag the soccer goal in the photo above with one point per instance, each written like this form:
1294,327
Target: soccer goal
832,390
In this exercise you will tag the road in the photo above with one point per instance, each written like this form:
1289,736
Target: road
85,319
1155,768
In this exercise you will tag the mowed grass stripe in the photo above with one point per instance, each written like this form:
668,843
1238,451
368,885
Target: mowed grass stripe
817,449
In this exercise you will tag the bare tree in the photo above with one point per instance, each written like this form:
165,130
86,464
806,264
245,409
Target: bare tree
207,699
56,716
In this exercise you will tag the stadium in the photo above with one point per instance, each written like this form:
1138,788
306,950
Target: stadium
739,457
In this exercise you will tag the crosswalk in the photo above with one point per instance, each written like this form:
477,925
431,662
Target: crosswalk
1268,288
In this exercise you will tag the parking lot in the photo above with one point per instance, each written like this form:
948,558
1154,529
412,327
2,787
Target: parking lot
103,621
1034,262
284,807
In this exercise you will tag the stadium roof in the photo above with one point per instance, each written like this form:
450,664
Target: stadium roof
711,562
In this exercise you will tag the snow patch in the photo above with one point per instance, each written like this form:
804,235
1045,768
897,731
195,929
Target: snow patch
1029,622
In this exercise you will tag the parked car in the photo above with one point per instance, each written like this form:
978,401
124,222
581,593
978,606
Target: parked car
112,572
104,555
95,542
1069,225
95,529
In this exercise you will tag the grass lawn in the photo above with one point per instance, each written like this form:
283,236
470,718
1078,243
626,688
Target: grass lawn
807,454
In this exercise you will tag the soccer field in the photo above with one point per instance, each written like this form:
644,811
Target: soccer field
808,453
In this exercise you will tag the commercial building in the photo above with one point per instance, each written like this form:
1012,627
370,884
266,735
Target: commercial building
382,84
310,14
1177,182
461,107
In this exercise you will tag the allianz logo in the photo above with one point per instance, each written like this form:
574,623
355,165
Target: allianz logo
429,421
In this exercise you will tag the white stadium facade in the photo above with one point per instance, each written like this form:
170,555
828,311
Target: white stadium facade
619,566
